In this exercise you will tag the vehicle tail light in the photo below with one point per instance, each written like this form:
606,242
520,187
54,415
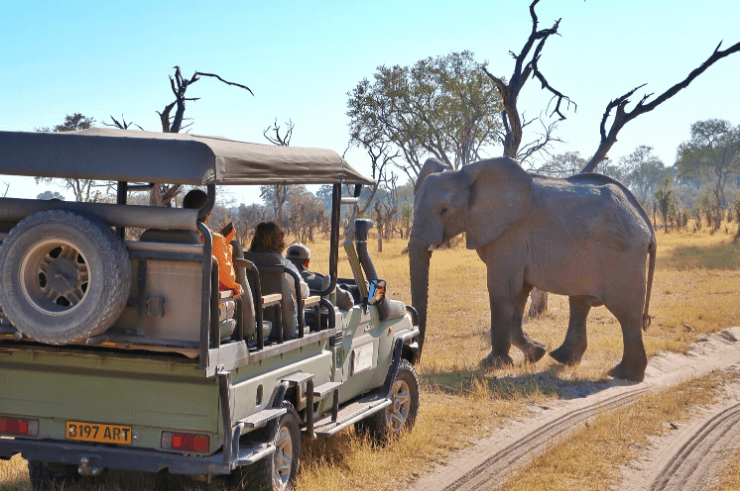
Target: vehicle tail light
186,442
21,427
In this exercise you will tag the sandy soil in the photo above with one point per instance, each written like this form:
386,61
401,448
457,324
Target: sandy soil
687,458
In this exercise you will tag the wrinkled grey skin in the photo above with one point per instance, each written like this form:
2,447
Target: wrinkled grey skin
585,236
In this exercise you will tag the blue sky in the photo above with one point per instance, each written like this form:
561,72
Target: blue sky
301,58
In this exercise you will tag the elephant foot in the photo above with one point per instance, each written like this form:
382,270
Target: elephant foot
496,361
534,352
566,356
626,373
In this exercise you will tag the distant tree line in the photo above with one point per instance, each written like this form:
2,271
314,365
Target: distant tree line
702,185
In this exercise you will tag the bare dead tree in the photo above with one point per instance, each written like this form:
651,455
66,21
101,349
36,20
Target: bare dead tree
380,157
121,125
546,137
386,208
179,86
622,116
524,68
281,190
162,194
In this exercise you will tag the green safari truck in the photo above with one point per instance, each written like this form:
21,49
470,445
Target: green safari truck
118,351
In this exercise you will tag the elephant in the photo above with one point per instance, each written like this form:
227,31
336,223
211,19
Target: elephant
585,236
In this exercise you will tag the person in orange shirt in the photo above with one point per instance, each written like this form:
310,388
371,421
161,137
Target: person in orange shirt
196,199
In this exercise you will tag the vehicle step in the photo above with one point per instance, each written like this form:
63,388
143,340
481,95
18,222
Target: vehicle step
350,414
297,378
326,388
262,417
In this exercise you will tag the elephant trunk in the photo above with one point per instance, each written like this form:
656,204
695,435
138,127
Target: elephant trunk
419,257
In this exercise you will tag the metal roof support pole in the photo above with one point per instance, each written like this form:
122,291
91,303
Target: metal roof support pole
336,202
122,195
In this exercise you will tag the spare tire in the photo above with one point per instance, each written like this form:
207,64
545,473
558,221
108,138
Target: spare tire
64,276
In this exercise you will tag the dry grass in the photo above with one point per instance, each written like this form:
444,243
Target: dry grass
730,477
695,285
590,457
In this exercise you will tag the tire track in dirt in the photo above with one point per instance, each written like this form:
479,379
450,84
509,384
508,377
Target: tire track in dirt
488,474
696,460
485,464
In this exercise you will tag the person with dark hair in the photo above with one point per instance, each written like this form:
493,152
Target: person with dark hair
195,200
269,238
300,255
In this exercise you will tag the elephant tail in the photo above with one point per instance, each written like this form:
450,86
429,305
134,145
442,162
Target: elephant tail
652,249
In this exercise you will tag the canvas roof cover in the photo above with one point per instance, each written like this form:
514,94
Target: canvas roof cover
140,156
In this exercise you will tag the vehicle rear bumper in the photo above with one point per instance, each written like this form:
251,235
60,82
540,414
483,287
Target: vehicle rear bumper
134,459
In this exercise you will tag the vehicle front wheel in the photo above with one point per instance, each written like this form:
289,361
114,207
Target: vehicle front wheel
400,415
277,472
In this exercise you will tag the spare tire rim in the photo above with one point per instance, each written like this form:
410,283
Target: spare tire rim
54,277
283,458
398,410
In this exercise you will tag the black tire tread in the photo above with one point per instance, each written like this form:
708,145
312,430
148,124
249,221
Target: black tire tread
376,426
258,476
44,478
117,274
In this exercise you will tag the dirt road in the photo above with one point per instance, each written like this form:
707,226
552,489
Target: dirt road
686,459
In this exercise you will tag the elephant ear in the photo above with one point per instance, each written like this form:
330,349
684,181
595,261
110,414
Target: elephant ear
431,166
500,194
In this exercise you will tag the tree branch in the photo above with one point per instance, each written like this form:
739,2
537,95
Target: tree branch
622,117
224,81
522,71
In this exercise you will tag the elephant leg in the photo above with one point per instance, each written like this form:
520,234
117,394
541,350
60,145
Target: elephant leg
634,359
532,350
502,311
574,345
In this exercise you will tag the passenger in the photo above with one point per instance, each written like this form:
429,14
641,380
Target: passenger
196,199
269,238
300,255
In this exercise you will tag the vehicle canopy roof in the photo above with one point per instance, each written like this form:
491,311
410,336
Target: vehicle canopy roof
140,156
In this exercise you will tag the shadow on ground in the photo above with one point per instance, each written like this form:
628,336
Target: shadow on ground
547,382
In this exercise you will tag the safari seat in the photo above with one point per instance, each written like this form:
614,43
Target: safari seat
249,317
273,280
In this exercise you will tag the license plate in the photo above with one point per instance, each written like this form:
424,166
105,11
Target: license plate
94,432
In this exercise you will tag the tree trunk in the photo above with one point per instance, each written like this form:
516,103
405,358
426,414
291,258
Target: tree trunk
539,303
655,213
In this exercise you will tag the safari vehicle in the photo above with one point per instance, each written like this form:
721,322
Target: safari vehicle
122,354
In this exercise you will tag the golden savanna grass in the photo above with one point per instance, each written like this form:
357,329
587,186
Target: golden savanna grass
694,292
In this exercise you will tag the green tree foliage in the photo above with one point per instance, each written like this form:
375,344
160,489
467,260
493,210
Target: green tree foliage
444,107
664,194
81,188
712,154
643,172
50,195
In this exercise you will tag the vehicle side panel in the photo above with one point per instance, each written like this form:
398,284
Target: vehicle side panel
149,395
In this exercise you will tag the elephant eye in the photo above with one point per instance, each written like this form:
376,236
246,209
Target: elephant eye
443,211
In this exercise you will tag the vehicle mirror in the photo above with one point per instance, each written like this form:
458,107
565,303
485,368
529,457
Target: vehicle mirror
376,296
